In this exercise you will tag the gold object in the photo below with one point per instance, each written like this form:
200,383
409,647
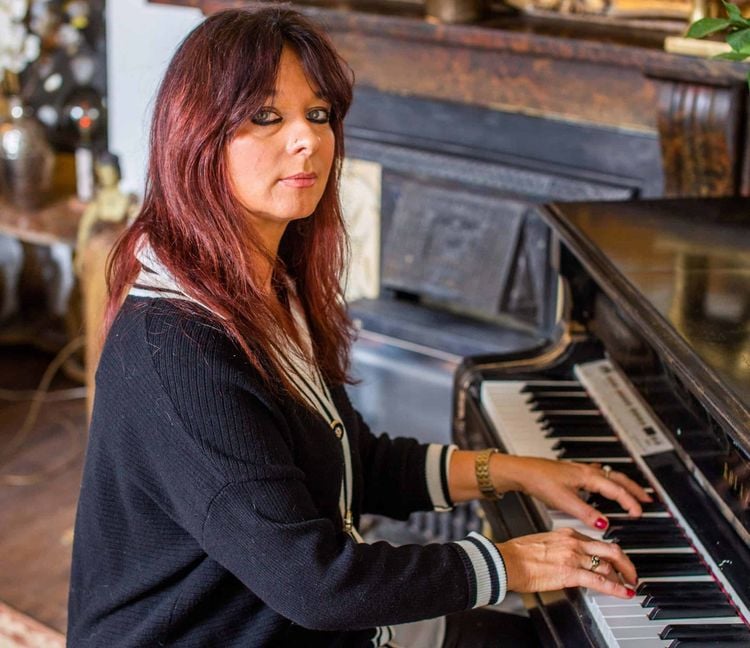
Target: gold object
455,11
595,562
606,469
110,205
482,472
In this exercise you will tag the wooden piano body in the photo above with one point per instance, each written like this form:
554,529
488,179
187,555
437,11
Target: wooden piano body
661,289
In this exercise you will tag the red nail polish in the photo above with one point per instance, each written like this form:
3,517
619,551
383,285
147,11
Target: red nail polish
631,592
601,523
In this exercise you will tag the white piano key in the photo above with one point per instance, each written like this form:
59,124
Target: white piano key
627,625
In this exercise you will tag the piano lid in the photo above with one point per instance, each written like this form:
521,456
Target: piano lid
681,270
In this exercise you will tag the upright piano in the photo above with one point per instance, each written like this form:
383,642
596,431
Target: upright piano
648,371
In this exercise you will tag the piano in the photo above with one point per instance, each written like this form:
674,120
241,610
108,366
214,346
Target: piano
648,371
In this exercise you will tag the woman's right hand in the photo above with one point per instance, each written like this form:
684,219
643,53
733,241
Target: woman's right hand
563,558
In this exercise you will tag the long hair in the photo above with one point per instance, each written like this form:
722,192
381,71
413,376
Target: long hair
220,77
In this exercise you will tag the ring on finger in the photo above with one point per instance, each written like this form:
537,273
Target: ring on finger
595,562
606,469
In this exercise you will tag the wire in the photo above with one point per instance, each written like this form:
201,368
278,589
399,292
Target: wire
59,395
38,397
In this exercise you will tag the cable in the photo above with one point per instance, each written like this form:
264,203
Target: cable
38,397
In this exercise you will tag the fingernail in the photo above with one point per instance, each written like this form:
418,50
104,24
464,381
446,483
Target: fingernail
601,523
630,592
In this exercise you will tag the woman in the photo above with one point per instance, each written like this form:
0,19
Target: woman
226,469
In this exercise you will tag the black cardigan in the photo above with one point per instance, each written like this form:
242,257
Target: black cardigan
209,513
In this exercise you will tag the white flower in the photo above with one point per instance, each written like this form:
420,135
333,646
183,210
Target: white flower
18,9
17,46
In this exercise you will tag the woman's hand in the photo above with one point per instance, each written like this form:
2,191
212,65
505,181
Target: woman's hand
550,561
557,484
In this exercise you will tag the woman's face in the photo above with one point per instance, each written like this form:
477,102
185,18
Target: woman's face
279,161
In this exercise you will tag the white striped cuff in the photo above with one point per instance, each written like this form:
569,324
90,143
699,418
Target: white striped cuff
437,464
489,581
382,636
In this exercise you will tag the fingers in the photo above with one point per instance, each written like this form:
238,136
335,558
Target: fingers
614,556
601,583
630,485
572,504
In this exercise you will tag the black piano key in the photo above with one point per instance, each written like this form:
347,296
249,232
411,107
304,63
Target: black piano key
579,418
644,525
629,543
656,565
556,433
615,531
563,423
708,643
611,506
692,611
589,450
537,404
657,600
666,587
690,631
552,387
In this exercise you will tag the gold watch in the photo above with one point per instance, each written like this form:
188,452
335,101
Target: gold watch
482,472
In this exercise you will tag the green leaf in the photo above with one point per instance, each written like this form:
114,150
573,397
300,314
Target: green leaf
735,16
706,26
733,11
739,40
732,56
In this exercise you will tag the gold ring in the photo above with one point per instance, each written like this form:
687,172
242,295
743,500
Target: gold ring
595,561
606,469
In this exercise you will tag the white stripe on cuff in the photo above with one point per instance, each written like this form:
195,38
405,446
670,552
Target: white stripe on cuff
489,569
437,464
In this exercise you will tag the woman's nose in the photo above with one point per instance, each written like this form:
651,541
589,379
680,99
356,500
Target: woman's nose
303,138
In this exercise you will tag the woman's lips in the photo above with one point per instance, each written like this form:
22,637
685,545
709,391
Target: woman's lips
300,180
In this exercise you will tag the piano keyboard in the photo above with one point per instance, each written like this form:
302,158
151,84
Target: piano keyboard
682,598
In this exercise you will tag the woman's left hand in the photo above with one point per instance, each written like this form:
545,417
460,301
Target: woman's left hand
557,484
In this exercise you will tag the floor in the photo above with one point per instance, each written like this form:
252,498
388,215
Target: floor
38,487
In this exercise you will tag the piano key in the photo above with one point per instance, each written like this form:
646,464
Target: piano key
692,611
694,631
631,627
538,404
708,643
577,417
589,423
676,596
588,449
688,588
578,432
610,506
628,544
667,564
550,385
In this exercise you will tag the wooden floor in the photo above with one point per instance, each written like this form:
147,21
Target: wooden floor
36,518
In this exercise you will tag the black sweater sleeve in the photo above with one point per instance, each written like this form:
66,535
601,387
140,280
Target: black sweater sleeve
402,475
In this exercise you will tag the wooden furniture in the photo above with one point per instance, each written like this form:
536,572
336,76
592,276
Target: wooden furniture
53,225
689,113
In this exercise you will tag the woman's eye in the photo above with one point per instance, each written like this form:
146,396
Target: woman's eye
319,115
265,117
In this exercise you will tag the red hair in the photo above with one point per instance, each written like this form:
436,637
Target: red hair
220,77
